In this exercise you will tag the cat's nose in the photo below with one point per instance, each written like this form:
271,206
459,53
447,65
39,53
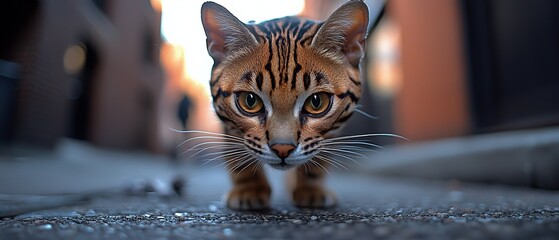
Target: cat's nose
283,150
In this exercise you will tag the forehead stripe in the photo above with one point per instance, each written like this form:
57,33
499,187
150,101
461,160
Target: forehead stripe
259,81
297,68
354,81
212,83
247,76
348,94
306,80
320,78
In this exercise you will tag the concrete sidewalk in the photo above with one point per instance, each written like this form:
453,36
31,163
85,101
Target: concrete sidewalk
528,158
369,208
76,167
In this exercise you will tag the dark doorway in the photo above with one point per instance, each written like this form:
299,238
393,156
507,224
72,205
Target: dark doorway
513,50
80,95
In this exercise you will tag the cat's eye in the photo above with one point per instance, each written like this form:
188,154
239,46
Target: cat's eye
249,102
317,103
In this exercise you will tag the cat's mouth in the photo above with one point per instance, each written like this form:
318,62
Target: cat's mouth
281,166
293,160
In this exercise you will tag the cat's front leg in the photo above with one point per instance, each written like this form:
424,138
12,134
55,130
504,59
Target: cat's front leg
251,190
308,190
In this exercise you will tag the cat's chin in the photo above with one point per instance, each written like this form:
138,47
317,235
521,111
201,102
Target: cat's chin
282,166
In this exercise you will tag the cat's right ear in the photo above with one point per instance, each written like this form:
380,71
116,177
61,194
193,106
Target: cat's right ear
225,33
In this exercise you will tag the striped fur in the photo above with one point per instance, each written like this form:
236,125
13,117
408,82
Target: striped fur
283,62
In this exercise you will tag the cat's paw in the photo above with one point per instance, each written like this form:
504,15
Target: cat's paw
249,199
314,197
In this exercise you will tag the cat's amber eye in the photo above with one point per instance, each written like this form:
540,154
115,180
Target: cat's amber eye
249,102
317,103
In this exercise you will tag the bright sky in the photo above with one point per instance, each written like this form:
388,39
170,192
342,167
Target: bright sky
181,25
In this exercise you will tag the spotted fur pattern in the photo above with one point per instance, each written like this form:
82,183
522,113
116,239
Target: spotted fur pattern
284,62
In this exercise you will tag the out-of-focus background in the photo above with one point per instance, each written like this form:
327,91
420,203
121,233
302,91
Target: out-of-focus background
90,89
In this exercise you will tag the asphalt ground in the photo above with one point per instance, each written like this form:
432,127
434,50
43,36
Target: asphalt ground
370,208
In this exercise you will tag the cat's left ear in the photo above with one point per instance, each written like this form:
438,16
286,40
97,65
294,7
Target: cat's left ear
344,33
225,33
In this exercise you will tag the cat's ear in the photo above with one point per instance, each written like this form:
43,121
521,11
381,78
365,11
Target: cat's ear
225,33
343,34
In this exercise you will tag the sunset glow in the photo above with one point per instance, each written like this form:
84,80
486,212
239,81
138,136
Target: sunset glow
181,25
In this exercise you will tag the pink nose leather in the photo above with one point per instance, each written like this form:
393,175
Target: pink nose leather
283,150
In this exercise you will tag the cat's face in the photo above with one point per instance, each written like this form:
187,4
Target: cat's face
285,85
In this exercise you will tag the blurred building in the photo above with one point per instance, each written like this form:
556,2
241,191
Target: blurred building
469,67
82,69
438,69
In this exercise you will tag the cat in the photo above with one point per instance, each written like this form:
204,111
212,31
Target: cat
282,89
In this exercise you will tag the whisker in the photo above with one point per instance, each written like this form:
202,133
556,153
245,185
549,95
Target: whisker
343,151
306,168
218,137
221,146
210,160
234,159
195,147
223,153
206,132
207,137
250,162
255,168
227,146
364,136
237,165
319,165
212,147
364,113
332,162
333,159
341,155
352,142
240,164
356,148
